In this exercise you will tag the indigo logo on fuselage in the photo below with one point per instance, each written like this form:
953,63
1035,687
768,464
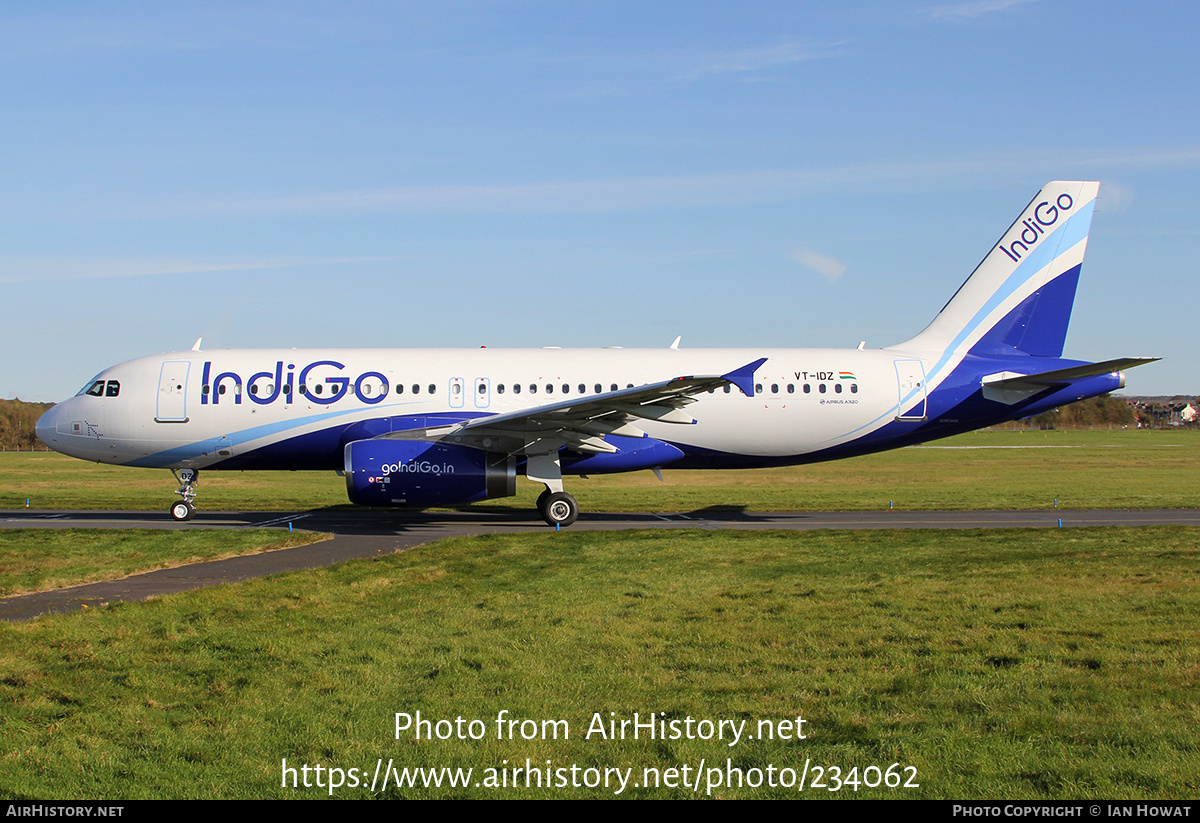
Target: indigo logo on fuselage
269,386
416,467
1045,215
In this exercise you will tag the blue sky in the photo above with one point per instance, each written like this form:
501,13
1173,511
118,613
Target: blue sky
578,174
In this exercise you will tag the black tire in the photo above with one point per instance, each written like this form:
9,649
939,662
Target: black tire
559,509
182,510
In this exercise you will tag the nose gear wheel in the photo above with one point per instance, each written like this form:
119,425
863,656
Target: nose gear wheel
184,509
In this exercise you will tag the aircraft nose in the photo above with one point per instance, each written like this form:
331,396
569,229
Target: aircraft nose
47,426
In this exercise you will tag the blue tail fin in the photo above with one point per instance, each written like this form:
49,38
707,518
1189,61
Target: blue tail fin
1019,299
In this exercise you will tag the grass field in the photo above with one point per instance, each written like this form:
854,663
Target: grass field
987,664
1057,663
982,470
33,560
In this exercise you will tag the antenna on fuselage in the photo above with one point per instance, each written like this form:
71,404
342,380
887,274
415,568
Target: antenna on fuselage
196,345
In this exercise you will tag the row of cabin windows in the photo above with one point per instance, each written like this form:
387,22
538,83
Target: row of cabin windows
791,388
598,388
113,388
565,388
366,388
456,388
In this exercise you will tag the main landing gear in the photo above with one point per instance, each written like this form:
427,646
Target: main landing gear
556,507
183,509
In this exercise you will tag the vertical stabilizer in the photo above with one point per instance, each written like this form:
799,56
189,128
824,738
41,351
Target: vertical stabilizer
1018,300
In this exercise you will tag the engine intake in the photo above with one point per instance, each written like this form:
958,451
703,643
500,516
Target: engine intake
419,473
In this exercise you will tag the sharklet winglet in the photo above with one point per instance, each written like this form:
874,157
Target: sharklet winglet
743,378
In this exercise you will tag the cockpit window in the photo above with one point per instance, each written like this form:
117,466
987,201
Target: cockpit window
101,388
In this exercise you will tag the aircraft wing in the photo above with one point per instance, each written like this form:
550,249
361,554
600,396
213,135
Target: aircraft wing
581,424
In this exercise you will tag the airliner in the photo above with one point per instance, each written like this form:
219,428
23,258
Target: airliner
446,427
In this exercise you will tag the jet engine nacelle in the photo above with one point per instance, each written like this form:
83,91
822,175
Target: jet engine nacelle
419,473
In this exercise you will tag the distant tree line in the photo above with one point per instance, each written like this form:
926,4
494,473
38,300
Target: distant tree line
1104,412
18,421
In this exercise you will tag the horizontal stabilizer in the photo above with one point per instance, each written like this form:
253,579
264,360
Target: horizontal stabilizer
1013,387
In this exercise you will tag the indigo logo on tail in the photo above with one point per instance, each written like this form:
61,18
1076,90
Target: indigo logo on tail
1044,216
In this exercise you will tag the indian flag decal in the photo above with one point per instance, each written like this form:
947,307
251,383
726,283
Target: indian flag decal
846,375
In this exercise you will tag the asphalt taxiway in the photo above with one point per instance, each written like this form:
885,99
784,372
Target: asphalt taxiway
361,534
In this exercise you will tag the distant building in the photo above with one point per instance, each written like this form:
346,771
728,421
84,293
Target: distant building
1165,411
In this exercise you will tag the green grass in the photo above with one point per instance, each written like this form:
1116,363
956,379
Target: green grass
1135,469
1057,663
41,559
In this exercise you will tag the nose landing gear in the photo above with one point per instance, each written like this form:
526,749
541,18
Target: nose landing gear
183,509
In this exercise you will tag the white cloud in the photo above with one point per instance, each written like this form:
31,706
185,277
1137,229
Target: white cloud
641,194
757,59
972,10
1114,198
19,271
828,267
729,189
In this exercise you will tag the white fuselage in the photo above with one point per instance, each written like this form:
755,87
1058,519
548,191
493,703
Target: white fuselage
204,409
